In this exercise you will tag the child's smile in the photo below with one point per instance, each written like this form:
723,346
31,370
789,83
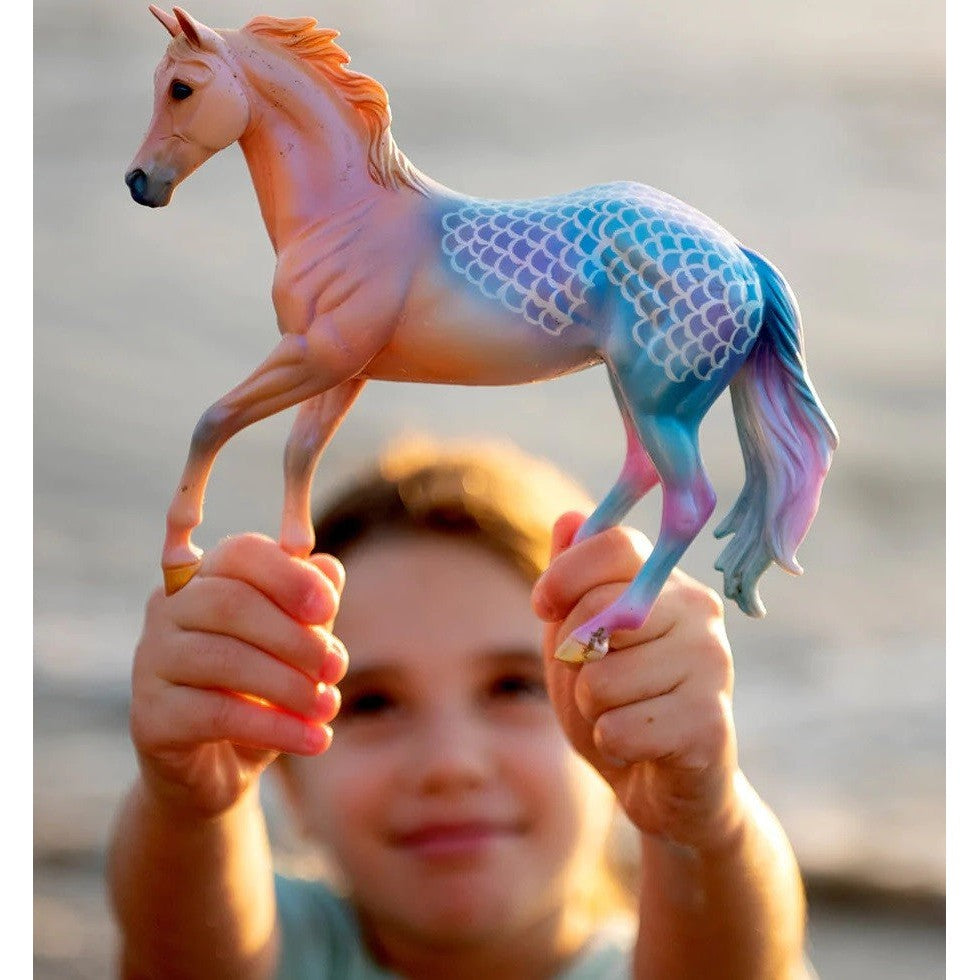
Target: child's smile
454,841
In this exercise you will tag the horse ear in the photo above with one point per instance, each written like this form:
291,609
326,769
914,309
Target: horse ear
168,20
198,34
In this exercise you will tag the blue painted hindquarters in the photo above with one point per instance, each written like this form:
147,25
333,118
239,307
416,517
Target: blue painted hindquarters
690,296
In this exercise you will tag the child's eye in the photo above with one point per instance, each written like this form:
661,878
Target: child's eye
365,704
518,686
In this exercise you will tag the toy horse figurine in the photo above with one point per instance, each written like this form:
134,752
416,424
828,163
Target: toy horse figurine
384,273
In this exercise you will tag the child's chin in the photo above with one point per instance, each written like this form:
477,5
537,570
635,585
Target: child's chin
465,914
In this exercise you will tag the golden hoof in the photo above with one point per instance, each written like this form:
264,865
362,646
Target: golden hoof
574,651
571,651
174,579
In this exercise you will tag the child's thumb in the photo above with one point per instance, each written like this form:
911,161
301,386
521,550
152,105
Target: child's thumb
564,531
562,534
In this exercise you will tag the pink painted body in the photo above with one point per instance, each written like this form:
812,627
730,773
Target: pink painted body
383,273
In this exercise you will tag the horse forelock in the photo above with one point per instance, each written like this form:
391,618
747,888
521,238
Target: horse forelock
317,47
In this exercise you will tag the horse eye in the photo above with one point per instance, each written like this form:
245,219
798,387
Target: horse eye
180,91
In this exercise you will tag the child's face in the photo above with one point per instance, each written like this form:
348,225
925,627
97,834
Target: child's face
449,798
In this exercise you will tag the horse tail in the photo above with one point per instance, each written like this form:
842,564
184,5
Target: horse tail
787,442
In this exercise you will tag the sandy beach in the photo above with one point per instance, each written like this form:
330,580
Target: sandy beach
815,133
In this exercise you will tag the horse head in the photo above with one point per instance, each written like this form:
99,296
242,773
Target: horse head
199,108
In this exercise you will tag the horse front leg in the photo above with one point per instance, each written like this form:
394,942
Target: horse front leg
294,371
318,419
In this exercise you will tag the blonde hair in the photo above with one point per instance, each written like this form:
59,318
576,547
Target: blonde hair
487,491
497,496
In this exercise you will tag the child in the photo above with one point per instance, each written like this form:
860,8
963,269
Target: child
470,778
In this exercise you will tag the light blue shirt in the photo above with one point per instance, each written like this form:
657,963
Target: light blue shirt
321,940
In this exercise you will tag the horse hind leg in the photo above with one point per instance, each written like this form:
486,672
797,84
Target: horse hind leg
688,501
637,477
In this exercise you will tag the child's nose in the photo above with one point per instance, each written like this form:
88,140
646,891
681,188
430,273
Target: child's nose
453,752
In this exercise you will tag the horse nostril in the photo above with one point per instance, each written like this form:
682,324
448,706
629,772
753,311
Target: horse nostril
136,182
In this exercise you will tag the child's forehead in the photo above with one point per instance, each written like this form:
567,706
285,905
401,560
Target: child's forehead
399,666
430,606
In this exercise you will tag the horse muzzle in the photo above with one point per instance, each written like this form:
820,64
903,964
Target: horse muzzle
147,191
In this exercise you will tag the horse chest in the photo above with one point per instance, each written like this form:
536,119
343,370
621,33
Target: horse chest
329,276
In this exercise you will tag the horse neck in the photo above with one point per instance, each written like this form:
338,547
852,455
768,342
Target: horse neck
305,147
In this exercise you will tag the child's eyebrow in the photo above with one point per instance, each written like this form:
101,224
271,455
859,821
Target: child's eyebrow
513,655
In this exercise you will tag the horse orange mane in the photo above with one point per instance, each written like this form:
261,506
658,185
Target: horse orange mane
317,46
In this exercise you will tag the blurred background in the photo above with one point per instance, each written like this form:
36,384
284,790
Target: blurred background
814,132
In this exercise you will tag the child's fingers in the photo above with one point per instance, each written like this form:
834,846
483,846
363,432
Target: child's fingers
223,663
615,555
660,622
230,607
194,717
687,598
588,606
332,568
564,531
298,587
629,676
684,636
680,731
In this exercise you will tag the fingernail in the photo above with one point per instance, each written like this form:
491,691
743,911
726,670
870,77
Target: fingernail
543,609
562,533
342,576
548,614
337,574
327,702
318,737
328,670
326,694
558,535
313,607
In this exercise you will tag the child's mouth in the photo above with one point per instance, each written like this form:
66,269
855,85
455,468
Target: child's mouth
453,841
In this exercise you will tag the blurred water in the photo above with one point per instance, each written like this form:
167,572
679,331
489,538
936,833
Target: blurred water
814,132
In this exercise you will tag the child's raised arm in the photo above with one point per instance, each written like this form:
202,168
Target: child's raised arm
720,888
235,668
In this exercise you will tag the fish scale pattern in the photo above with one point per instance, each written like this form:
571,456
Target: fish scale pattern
694,295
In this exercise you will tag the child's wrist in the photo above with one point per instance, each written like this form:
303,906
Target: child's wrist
179,804
720,831
726,832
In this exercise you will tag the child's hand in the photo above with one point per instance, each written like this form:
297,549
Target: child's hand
654,716
253,623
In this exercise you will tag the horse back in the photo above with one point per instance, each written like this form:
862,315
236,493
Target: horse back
615,257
